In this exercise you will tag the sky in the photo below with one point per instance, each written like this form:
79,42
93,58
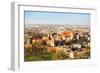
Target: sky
36,17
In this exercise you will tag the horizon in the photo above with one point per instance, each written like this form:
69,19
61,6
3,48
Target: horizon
58,24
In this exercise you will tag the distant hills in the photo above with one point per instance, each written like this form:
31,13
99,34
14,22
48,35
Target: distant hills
55,25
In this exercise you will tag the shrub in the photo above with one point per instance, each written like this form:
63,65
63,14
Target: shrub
47,56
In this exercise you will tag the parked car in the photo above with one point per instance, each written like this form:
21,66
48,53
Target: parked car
75,47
